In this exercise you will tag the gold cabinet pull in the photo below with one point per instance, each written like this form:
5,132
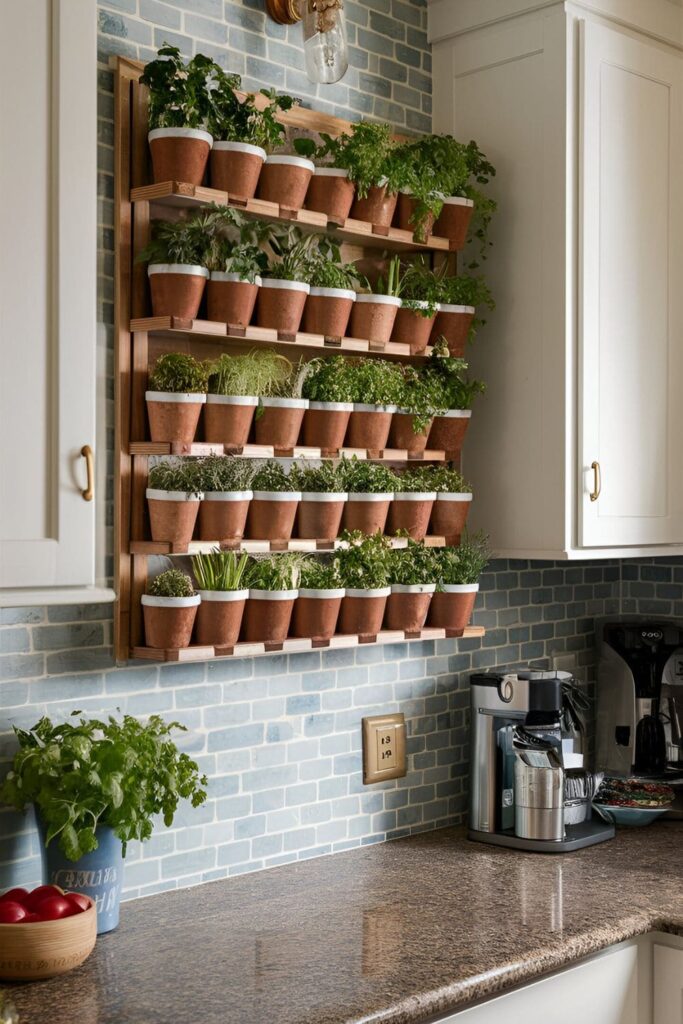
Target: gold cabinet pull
89,493
597,481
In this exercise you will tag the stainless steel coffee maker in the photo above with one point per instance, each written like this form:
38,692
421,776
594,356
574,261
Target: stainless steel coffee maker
517,776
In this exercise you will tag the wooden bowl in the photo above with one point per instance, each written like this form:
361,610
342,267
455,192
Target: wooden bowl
43,949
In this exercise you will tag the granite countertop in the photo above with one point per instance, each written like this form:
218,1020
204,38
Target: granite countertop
391,933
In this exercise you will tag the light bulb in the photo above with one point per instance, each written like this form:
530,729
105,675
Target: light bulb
325,48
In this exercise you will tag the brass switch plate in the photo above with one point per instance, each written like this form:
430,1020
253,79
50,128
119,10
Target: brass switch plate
384,748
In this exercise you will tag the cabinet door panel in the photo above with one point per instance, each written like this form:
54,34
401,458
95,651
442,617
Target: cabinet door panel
668,985
631,327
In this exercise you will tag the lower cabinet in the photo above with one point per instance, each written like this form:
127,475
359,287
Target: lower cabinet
668,985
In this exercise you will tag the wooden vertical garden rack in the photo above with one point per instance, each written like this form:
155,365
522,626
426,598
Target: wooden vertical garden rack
140,339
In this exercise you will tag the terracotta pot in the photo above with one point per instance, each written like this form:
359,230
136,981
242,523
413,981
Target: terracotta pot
319,515
172,515
410,328
223,515
169,620
230,300
228,419
362,611
448,431
281,304
369,426
176,289
179,154
367,512
404,437
278,421
267,615
378,207
405,209
453,322
407,606
173,417
373,316
325,424
331,192
284,180
454,220
235,168
449,515
452,608
220,617
272,514
327,311
411,511
316,613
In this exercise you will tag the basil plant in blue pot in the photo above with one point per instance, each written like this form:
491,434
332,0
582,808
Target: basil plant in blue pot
97,785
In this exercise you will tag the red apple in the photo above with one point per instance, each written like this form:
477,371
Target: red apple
11,912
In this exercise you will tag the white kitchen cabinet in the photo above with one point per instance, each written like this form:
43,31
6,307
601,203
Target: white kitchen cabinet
668,985
48,261
583,117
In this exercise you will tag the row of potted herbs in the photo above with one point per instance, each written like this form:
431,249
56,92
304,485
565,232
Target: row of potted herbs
326,403
251,272
196,117
364,587
230,498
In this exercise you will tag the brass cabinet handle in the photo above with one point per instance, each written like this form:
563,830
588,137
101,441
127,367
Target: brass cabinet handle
89,493
597,481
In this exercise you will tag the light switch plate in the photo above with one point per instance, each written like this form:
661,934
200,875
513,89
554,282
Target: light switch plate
384,748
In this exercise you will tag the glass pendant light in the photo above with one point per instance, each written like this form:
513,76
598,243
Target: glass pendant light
325,48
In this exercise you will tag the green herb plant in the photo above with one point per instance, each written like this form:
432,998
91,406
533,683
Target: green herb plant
175,475
481,171
86,773
223,473
234,118
389,285
358,476
418,287
433,167
178,373
368,154
180,95
171,583
260,373
364,561
293,256
326,268
375,381
183,241
412,565
272,477
464,564
317,574
328,380
276,572
324,478
220,570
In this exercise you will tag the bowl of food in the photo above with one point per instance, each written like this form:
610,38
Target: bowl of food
632,802
45,932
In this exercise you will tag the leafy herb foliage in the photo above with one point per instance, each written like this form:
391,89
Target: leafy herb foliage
178,373
175,475
359,476
463,564
412,565
368,154
222,473
276,572
317,574
171,583
364,562
220,570
179,93
259,373
272,477
322,479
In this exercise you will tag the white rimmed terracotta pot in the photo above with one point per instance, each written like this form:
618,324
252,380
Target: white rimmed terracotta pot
403,436
230,299
327,311
367,512
325,424
316,613
319,515
281,304
176,289
408,605
378,207
278,421
173,417
272,514
413,328
411,510
223,515
454,220
449,514
452,607
453,323
373,316
169,620
448,431
331,192
267,615
219,618
405,211
235,167
228,419
369,426
172,515
179,154
285,180
362,611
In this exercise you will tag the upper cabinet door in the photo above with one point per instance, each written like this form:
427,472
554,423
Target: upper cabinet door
48,257
631,291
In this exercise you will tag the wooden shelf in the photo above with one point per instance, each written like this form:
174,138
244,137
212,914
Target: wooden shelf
358,232
218,333
296,646
195,547
201,449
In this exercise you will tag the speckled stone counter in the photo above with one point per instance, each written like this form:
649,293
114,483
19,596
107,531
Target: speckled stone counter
392,933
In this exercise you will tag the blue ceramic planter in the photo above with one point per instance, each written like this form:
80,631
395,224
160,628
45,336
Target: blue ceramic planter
98,875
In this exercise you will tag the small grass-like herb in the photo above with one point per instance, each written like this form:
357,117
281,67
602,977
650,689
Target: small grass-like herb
276,572
223,473
464,564
175,475
178,373
259,373
220,570
322,479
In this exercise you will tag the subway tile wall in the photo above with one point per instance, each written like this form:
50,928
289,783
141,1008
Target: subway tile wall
279,737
